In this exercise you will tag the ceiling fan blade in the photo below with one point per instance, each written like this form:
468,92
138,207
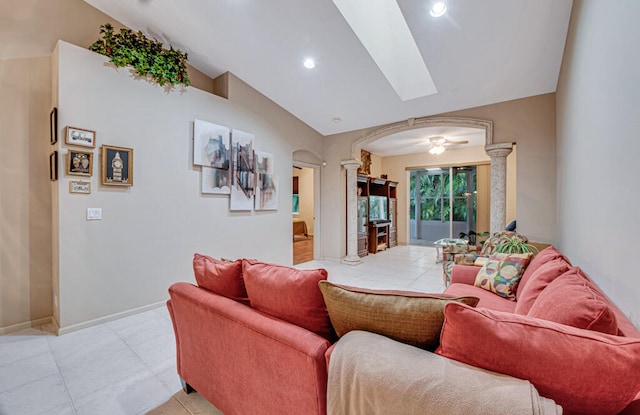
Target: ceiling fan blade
453,143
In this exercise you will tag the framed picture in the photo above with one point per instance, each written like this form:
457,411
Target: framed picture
211,145
53,166
80,137
79,163
78,186
53,125
117,166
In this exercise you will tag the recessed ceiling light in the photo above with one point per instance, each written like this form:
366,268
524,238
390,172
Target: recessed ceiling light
438,9
309,63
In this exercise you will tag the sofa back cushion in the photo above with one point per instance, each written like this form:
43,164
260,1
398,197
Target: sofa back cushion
625,327
584,371
548,254
289,294
570,300
408,317
501,274
222,277
537,281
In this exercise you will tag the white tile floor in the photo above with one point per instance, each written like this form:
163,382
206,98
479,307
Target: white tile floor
128,366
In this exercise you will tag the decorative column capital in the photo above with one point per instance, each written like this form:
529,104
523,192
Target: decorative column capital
498,150
351,164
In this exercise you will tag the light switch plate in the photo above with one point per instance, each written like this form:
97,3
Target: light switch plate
94,213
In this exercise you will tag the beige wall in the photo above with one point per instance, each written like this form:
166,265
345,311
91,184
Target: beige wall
598,147
25,201
529,122
150,231
377,166
29,263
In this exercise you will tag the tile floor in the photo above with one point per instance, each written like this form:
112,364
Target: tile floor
128,366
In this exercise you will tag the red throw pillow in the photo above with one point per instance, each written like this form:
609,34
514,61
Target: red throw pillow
570,300
537,281
550,253
221,277
585,372
289,294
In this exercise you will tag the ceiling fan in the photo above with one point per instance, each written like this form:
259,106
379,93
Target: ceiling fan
438,144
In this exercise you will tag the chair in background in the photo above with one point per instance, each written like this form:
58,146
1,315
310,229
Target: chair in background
489,247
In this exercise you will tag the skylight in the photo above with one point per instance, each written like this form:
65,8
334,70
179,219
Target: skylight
385,34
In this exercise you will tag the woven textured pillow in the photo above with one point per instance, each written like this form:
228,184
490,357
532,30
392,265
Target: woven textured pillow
289,294
584,371
501,274
408,317
221,277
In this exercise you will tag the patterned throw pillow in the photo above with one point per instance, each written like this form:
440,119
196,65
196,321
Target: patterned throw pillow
501,274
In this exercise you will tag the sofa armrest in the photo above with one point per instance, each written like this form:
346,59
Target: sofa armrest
465,274
410,381
224,346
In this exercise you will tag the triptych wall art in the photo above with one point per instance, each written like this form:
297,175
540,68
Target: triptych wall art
231,166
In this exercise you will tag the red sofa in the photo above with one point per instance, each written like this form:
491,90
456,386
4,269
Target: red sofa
254,338
267,358
561,333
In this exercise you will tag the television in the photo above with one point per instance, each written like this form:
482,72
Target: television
378,208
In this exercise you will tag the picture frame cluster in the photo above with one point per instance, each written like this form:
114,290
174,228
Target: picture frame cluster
116,167
231,166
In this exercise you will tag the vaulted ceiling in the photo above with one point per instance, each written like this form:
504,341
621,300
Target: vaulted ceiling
478,53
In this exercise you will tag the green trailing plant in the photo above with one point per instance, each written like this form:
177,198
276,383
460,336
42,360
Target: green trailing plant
166,67
516,246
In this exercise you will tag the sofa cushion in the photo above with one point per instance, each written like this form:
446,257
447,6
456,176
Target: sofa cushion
501,274
288,293
584,371
486,298
537,281
570,300
550,253
408,317
221,277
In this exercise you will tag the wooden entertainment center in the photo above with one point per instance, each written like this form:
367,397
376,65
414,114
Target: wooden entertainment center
377,214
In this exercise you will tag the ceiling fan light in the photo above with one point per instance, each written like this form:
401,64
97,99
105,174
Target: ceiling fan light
436,150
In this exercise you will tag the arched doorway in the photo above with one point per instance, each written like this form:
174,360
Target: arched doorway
496,152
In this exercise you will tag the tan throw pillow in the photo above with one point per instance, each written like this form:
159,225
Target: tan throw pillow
501,274
408,317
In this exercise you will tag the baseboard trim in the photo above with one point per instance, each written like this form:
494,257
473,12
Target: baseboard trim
26,325
111,317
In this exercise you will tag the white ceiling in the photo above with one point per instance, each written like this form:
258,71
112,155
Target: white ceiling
479,53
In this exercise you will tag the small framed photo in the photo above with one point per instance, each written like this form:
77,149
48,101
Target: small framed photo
80,137
53,125
117,166
79,163
78,186
53,166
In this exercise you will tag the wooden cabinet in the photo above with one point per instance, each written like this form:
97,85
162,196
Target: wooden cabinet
363,222
393,214
378,237
377,214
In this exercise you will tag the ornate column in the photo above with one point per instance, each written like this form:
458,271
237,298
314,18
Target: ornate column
351,166
498,154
